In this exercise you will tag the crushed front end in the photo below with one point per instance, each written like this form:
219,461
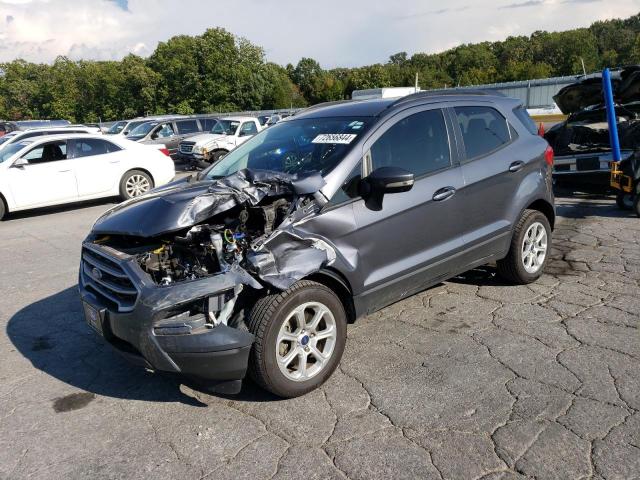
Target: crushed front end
171,294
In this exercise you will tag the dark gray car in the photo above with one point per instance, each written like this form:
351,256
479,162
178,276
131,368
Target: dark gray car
259,262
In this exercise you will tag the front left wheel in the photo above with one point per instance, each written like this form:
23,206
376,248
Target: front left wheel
300,337
134,184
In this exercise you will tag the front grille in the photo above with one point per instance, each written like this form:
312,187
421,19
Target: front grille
186,147
105,278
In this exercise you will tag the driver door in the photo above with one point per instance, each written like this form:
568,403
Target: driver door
47,179
415,239
166,134
247,130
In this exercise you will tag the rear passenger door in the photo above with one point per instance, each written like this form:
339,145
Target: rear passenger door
96,163
412,242
493,169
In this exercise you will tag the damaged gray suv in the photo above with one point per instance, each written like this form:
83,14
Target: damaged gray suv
259,263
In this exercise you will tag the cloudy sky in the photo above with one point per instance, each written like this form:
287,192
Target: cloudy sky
335,32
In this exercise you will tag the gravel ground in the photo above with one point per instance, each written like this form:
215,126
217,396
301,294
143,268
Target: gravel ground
471,379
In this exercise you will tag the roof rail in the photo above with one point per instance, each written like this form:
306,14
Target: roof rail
444,92
323,104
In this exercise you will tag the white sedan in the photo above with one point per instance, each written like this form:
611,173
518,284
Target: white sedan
57,169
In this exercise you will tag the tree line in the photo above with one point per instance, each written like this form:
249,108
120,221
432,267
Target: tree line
217,72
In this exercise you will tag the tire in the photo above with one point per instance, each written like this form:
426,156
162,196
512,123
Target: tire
624,200
636,204
215,158
130,179
3,209
513,267
274,316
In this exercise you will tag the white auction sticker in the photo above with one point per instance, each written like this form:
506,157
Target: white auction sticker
342,138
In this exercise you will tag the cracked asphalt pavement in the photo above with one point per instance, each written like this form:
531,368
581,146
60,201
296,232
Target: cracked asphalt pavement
470,379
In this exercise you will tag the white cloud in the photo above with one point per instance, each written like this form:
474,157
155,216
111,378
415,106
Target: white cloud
334,32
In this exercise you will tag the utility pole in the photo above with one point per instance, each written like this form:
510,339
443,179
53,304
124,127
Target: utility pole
584,70
416,86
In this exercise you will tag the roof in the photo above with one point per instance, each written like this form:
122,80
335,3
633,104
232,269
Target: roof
237,119
380,106
65,136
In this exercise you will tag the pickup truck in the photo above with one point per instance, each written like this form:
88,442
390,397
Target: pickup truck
227,134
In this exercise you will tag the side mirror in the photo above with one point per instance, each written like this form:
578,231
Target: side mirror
384,180
20,163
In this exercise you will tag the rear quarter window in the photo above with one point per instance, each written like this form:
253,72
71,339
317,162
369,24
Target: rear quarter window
522,115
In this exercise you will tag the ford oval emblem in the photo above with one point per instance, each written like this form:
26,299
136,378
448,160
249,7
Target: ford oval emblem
97,274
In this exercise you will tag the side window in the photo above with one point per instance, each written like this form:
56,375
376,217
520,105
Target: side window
248,128
187,126
47,152
349,188
484,130
418,143
163,131
87,147
207,123
525,119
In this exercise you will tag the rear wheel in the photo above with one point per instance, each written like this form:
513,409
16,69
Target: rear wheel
529,250
636,204
300,336
624,200
135,183
3,209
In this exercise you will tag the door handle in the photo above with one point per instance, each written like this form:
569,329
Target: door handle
516,166
444,193
64,171
114,161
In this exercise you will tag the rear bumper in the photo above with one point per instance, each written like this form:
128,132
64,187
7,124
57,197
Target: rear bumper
158,332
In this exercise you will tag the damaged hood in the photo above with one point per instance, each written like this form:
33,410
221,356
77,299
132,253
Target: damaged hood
186,203
208,138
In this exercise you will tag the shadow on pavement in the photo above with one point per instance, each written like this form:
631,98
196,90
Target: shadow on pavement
52,334
581,206
485,276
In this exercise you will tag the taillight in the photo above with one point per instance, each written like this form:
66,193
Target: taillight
548,156
165,151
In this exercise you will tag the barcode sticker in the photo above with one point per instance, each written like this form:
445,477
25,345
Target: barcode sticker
341,138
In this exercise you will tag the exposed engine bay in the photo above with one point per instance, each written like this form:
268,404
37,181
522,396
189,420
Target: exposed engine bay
586,129
235,224
208,249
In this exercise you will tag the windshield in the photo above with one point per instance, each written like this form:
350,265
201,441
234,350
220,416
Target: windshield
142,130
295,146
225,127
116,128
6,138
11,149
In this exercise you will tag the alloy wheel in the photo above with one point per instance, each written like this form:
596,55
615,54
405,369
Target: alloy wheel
534,247
137,185
306,341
